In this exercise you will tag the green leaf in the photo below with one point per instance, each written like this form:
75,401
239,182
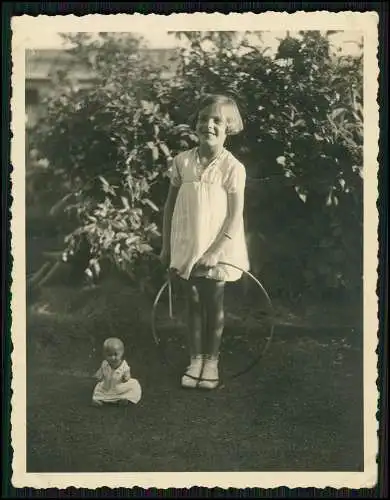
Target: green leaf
103,180
59,205
121,235
337,112
152,175
145,248
131,240
155,154
125,202
151,204
147,107
164,148
298,123
151,145
119,224
95,266
301,194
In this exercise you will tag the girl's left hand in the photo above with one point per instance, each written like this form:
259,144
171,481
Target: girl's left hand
208,260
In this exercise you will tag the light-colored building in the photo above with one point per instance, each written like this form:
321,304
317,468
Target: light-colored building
42,66
41,69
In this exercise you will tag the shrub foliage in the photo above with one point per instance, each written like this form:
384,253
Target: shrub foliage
109,147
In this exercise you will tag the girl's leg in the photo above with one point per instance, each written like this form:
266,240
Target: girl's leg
195,316
213,292
195,321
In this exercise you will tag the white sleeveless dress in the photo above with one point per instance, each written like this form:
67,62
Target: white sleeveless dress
200,214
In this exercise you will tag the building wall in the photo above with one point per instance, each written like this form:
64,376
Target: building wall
41,68
43,64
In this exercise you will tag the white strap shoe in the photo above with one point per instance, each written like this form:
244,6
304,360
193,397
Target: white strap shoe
192,375
210,377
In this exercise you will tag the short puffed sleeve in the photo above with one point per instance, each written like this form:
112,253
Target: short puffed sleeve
236,178
174,173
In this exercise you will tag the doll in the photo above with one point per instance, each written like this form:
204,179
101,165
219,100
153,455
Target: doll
115,382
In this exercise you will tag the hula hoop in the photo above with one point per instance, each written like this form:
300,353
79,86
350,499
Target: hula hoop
253,278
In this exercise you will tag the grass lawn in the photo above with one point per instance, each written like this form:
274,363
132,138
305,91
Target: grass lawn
299,409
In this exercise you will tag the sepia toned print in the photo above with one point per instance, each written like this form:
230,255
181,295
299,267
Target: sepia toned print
190,204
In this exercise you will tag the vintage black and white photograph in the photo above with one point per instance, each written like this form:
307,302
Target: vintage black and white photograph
195,250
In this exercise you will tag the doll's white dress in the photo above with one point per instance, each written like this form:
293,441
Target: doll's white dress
111,388
200,214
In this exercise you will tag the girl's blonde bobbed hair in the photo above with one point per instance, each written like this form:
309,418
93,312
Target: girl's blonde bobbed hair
230,111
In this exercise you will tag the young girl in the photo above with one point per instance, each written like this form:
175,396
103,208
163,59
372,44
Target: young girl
203,226
115,383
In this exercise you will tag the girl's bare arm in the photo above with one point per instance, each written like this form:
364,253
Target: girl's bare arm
167,219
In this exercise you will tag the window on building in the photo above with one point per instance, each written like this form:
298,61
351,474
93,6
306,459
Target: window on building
32,97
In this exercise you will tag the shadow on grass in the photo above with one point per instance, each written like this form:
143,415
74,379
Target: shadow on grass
300,409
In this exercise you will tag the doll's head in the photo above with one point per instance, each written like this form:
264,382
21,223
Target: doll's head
217,116
113,349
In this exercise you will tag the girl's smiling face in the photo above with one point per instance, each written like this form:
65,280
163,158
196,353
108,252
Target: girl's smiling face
211,126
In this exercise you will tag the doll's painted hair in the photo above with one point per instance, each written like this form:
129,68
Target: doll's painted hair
228,107
113,342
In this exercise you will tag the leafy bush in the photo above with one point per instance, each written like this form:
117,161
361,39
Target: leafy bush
302,147
109,146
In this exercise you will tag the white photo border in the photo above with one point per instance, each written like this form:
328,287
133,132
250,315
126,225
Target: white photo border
367,24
